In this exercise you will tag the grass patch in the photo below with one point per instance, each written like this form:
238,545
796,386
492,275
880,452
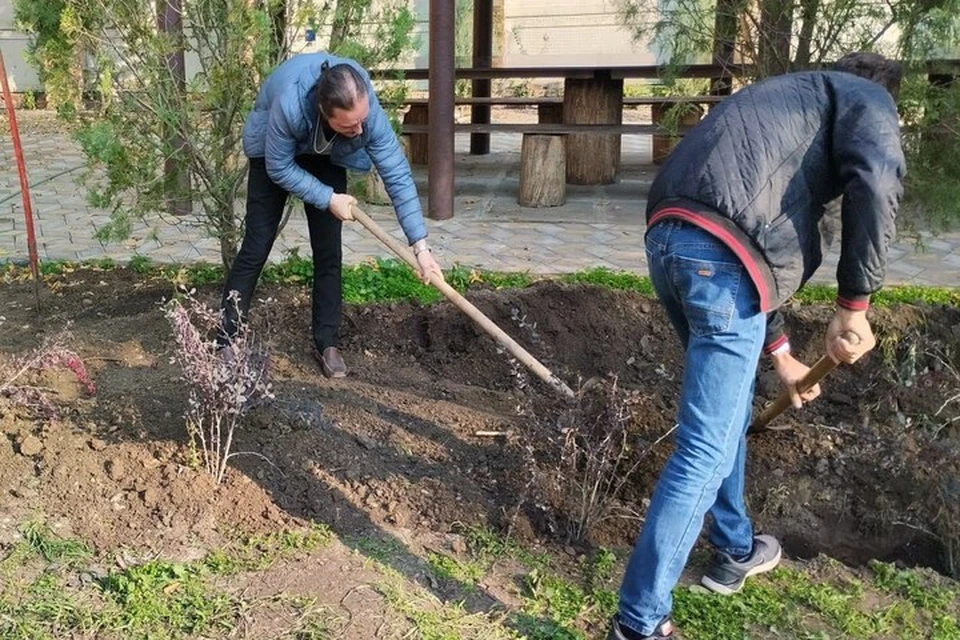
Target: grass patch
921,591
391,280
49,590
158,599
433,619
41,540
43,610
445,567
488,546
259,552
892,295
609,279
382,550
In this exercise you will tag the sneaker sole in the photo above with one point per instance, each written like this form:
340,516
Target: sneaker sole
729,590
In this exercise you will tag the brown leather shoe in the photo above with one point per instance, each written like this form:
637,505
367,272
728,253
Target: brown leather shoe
331,362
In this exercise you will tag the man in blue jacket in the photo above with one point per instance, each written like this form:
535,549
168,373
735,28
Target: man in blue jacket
732,233
315,116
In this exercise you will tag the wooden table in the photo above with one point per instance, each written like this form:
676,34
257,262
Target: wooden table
591,96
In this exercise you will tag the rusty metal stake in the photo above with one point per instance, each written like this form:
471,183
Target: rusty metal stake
24,185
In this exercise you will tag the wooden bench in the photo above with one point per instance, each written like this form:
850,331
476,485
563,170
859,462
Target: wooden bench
549,111
543,161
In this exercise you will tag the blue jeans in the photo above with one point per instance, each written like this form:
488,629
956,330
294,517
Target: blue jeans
715,309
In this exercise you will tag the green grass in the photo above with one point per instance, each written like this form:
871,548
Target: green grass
466,573
391,280
48,590
159,599
40,539
258,552
609,279
433,619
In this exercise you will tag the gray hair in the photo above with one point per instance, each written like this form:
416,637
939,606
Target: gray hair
872,66
340,87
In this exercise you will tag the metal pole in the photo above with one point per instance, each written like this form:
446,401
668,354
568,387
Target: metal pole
24,184
482,59
442,86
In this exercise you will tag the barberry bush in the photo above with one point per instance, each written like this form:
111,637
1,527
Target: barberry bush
227,376
20,381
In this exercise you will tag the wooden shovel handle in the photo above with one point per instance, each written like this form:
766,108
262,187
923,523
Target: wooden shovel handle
817,372
464,305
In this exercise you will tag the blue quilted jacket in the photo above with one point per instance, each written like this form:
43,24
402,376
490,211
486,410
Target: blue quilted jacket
282,125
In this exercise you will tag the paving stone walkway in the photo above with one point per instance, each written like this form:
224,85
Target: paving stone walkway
598,226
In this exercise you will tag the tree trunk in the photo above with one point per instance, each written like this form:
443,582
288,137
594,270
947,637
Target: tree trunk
724,43
776,25
543,171
808,16
228,233
593,159
176,171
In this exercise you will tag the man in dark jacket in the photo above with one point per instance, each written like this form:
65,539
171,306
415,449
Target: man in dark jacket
315,116
732,233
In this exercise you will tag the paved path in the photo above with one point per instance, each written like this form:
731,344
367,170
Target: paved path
599,226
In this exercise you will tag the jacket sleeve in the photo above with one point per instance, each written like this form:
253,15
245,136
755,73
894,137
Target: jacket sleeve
387,155
284,127
870,160
776,332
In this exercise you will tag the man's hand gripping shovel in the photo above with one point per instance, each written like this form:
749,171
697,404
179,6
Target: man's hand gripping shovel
817,372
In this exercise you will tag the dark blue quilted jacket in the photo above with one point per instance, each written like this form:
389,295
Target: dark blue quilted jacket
759,170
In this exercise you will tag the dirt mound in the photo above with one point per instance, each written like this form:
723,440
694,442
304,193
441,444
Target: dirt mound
869,470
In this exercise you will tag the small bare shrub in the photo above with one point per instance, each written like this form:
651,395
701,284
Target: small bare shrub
18,377
225,381
598,454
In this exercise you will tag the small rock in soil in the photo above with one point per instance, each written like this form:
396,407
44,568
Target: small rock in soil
149,497
366,441
31,446
97,444
115,469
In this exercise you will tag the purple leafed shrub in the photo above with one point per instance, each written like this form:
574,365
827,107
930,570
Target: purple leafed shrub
18,377
225,380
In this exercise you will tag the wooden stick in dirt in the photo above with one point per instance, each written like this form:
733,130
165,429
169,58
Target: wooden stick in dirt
817,372
464,305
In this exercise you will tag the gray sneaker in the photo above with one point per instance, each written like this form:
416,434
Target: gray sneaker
664,631
726,576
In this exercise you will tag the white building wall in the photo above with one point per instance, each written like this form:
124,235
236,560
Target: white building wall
13,44
567,32
535,32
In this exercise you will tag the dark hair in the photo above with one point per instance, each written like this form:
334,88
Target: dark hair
340,87
872,66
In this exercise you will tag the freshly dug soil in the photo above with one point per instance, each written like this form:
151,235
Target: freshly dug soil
870,470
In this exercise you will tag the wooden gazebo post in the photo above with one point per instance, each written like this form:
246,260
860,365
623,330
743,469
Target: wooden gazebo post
441,108
482,59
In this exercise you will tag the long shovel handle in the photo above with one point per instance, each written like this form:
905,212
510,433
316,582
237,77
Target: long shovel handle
817,372
464,305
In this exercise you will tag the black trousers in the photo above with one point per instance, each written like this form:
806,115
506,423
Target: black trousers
265,203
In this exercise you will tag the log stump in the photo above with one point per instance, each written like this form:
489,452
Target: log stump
592,158
543,171
418,114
